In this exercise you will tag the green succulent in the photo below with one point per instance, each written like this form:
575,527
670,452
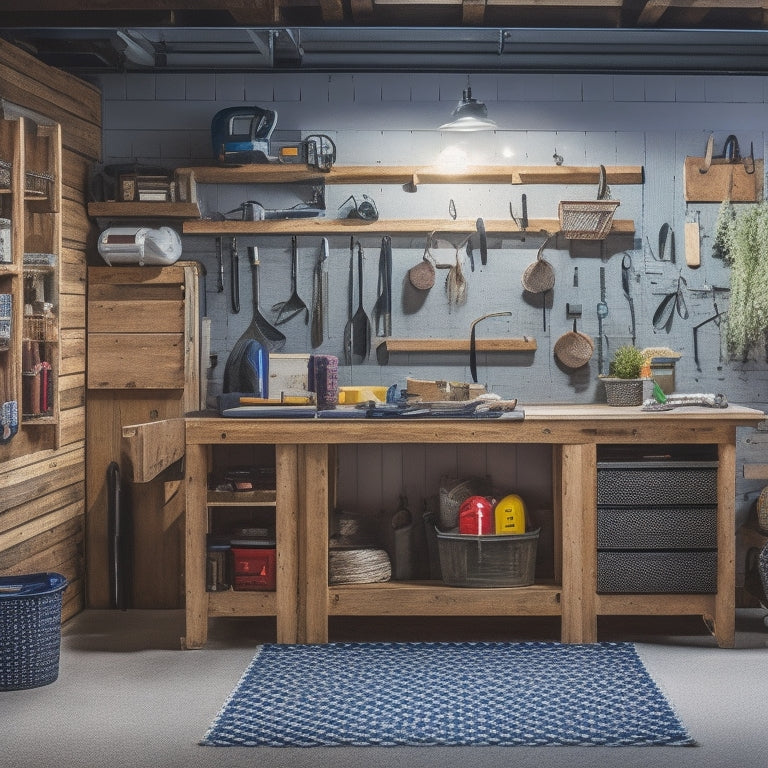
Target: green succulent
627,362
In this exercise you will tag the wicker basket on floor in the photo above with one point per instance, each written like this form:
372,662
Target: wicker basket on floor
30,629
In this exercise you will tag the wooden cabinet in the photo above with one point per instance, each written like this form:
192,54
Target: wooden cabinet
30,257
143,364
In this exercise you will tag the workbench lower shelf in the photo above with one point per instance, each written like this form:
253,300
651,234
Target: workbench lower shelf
234,603
433,598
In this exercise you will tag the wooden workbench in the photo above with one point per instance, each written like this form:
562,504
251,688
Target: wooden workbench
305,455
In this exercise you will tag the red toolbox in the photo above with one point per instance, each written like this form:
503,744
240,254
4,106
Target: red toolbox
254,568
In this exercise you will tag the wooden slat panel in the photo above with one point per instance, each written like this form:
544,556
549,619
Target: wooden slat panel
72,308
135,361
71,391
61,497
55,469
127,316
101,276
73,271
72,426
76,174
72,348
40,525
73,525
75,222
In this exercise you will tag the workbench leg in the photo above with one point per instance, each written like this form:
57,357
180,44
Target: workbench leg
196,524
287,542
313,472
725,600
579,530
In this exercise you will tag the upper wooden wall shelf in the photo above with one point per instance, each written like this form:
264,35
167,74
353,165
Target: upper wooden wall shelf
415,175
144,210
322,225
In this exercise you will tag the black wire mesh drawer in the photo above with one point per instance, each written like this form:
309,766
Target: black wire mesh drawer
662,483
657,527
649,572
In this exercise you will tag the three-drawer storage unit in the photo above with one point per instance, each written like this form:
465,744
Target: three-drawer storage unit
657,520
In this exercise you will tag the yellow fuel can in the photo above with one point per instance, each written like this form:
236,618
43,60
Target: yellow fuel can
509,514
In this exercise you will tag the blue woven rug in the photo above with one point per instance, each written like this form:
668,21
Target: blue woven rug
468,694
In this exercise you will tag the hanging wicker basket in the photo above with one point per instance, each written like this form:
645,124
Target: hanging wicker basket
587,220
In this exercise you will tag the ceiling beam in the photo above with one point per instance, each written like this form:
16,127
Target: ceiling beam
473,13
332,11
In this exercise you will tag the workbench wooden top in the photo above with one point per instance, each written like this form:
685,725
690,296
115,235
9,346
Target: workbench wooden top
549,423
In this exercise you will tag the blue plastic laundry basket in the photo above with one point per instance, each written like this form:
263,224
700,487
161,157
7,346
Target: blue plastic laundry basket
30,629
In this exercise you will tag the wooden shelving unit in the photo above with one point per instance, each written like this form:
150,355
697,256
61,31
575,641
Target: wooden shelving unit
31,201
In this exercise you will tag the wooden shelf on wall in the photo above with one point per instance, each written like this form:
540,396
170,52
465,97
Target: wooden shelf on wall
446,346
323,226
144,210
415,175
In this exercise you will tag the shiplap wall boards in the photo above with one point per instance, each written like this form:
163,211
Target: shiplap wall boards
653,121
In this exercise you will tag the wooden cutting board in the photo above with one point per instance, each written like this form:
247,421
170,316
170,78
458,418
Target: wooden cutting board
722,181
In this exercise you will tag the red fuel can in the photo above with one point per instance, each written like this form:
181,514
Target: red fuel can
476,516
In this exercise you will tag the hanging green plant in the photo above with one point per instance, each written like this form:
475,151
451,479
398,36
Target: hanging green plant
742,240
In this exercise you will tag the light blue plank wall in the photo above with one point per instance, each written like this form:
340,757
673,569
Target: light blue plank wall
389,119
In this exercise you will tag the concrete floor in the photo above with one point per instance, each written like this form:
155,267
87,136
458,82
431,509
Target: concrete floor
127,697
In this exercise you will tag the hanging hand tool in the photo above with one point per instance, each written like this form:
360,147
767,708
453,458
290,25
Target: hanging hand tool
716,319
472,345
666,244
294,304
350,303
480,225
320,294
693,243
235,263
359,326
383,308
524,217
220,263
671,303
626,268
602,313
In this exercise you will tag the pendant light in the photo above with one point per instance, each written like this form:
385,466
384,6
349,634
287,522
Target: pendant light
469,115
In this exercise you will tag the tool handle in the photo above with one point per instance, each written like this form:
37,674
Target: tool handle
360,273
